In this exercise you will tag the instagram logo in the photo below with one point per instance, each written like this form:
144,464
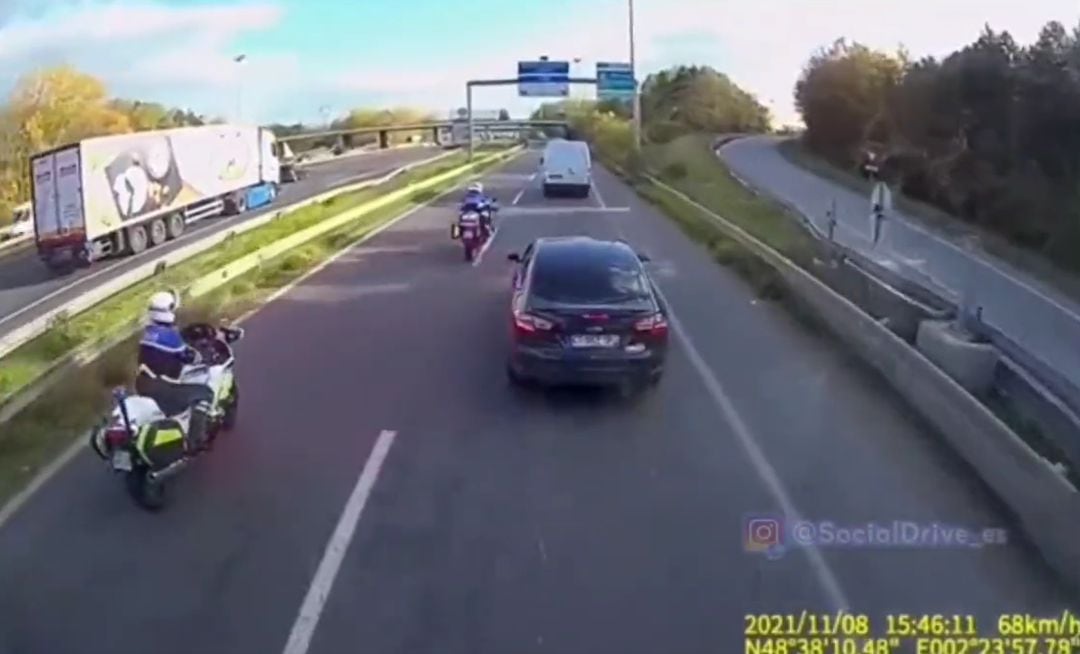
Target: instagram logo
762,534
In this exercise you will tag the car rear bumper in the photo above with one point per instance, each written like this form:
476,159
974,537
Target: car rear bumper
583,369
567,187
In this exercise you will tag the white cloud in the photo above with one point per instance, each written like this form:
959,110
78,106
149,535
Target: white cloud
762,45
180,55
183,54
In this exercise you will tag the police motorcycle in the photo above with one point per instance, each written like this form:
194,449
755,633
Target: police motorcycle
147,443
474,227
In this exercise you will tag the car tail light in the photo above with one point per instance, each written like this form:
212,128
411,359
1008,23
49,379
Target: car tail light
527,325
116,437
655,326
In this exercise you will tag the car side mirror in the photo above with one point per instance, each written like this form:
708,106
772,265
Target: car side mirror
514,256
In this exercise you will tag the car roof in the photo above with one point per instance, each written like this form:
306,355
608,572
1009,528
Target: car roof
561,247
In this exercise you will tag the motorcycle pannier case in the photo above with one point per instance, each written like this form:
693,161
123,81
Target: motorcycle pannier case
161,443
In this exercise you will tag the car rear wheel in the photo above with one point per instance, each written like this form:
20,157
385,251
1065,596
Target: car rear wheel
516,378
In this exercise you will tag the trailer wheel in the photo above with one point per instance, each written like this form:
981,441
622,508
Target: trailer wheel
175,225
237,204
137,239
158,233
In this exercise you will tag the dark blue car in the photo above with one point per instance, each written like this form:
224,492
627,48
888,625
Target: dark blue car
585,312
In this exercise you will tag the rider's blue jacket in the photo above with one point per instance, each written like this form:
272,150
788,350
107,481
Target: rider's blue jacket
163,352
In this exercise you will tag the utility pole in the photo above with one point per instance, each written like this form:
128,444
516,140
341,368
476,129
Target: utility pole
239,61
636,101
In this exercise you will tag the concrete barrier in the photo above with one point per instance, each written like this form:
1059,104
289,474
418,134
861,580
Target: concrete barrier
89,352
971,363
28,331
1045,506
900,312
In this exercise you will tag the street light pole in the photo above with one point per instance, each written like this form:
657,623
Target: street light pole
636,101
239,61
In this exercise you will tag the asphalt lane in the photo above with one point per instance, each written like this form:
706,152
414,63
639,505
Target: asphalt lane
507,521
29,289
1037,318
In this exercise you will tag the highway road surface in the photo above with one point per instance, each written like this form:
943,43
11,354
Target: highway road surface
29,289
1038,319
388,491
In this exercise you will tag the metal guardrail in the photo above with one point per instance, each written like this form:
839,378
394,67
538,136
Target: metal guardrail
443,124
13,243
38,326
1046,506
89,352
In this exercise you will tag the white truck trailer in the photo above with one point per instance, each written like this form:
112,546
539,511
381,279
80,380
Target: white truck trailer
120,194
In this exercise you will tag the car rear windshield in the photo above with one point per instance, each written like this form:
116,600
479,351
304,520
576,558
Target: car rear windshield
567,278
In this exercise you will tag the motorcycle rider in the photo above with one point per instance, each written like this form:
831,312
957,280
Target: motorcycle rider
476,200
162,357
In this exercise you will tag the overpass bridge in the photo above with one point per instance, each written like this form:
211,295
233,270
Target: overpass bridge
438,130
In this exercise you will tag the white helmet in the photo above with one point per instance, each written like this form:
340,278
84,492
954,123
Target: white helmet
476,187
162,307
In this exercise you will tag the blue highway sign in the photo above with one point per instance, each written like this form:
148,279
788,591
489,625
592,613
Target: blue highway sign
544,79
614,81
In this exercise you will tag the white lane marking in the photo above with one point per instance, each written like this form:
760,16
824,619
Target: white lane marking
761,464
599,198
484,248
765,471
12,506
517,198
323,582
15,503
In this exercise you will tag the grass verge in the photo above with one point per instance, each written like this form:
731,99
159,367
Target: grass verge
1060,275
110,318
689,165
37,435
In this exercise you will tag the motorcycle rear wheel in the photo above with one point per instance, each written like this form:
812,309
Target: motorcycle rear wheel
147,493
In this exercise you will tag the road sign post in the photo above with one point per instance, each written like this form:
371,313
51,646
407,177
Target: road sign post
510,82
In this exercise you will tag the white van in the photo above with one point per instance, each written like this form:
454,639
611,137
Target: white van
22,223
566,166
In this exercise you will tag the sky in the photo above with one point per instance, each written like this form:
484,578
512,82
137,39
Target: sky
306,59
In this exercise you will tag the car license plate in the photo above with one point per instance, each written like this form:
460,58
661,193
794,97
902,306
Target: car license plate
121,460
594,340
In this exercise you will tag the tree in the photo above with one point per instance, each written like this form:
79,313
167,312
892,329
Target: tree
697,99
62,105
842,94
990,133
46,109
504,114
54,106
